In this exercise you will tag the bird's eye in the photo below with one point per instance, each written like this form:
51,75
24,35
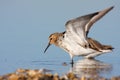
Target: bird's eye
50,38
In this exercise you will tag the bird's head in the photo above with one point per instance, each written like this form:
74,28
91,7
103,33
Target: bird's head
52,40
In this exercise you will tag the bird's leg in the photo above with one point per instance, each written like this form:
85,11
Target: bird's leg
72,62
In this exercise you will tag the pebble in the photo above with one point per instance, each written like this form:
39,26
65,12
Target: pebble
27,74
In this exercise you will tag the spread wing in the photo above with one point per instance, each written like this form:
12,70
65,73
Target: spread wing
78,28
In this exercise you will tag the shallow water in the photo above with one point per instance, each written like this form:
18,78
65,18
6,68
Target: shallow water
103,66
82,67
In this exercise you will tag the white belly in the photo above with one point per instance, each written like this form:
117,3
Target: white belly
74,48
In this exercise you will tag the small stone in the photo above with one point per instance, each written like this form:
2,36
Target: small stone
1,78
13,77
64,64
71,76
75,79
56,77
83,78
20,70
48,76
114,78
31,73
64,77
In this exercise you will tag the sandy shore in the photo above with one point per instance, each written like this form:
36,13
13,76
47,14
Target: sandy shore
27,74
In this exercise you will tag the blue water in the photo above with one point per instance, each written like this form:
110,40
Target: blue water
58,63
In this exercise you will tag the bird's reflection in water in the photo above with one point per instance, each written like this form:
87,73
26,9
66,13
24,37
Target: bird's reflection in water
90,68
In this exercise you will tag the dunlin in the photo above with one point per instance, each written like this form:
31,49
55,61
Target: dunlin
75,40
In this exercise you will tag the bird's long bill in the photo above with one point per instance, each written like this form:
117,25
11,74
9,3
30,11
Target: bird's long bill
47,47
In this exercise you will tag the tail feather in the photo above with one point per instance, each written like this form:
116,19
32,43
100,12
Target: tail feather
97,45
106,47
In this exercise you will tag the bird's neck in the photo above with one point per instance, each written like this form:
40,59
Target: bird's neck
59,39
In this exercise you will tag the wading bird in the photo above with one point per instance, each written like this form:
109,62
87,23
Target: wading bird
75,40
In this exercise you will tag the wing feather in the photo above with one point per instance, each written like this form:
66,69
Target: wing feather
96,18
78,28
